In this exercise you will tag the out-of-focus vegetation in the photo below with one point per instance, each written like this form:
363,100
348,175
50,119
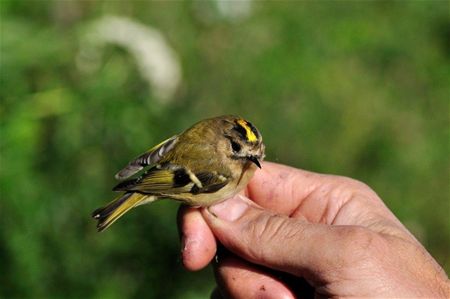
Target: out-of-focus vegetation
356,89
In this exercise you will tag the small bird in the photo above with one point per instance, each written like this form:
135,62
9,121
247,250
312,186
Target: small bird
209,162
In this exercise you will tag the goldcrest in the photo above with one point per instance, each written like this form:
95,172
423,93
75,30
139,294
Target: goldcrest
209,162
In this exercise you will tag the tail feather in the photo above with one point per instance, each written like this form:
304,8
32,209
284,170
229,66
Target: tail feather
115,209
105,211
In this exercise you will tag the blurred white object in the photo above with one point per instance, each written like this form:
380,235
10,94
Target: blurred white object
157,61
234,9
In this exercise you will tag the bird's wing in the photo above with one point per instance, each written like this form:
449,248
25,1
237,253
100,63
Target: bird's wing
174,180
150,157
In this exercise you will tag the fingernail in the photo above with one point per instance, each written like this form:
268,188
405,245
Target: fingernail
229,210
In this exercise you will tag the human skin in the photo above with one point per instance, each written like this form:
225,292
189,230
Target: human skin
334,232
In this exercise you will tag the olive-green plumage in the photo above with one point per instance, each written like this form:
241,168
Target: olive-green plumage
209,162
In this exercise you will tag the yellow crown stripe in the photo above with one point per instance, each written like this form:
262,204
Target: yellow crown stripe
248,131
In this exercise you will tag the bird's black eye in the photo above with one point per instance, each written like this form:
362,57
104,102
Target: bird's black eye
235,146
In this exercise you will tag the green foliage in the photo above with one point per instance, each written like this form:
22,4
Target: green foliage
357,89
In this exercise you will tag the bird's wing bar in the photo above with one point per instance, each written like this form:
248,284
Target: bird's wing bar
174,181
150,157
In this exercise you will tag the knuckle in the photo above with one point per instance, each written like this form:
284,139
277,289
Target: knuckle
259,232
354,184
359,245
267,233
351,189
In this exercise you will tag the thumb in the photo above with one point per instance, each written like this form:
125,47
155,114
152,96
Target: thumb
276,241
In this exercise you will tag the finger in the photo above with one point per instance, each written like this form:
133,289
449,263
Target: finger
281,188
198,245
279,242
316,197
240,279
322,198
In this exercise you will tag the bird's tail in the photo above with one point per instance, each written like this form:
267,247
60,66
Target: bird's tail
115,209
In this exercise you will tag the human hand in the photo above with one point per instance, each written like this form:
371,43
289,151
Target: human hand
334,232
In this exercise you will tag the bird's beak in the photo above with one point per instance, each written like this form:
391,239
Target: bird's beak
254,160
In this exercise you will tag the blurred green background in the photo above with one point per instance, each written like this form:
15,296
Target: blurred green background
350,88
